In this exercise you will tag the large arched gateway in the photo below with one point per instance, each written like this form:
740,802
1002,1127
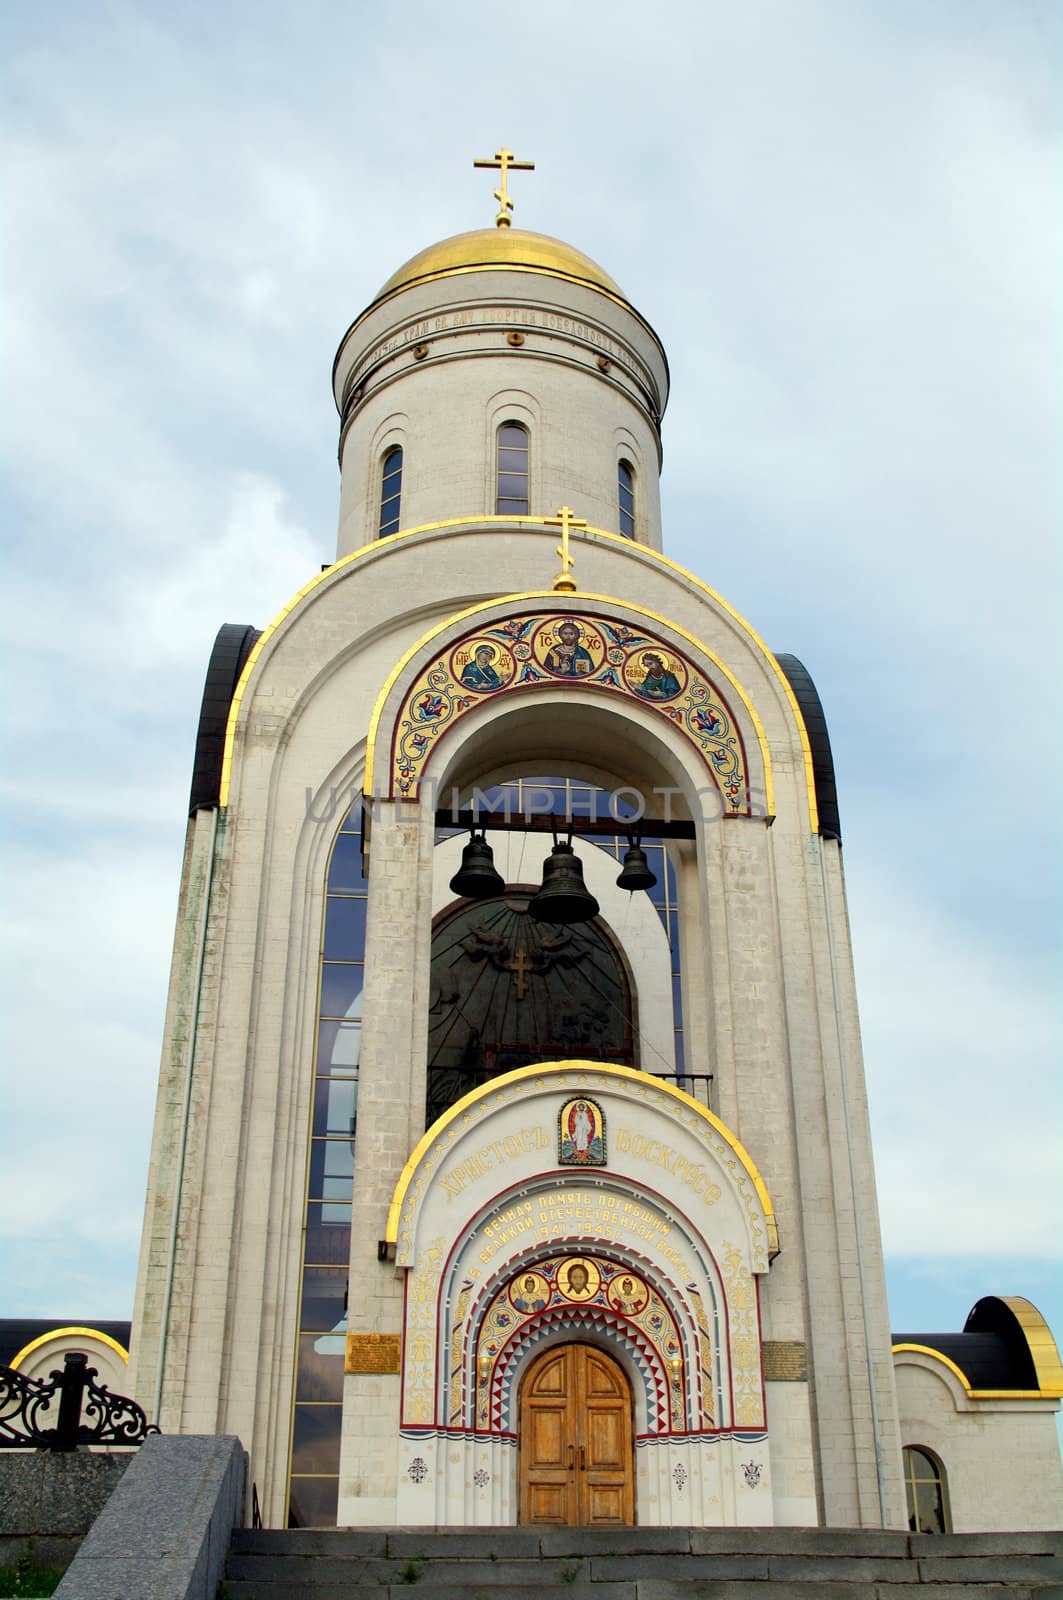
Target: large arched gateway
569,1205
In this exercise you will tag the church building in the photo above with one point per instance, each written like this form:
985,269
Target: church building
511,1159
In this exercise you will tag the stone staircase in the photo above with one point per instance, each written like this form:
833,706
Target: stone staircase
642,1564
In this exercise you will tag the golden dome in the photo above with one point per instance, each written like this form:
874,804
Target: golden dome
500,247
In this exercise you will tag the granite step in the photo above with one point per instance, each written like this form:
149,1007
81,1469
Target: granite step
642,1564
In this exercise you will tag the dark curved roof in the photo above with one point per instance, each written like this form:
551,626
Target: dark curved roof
232,647
822,760
992,1352
17,1332
985,1359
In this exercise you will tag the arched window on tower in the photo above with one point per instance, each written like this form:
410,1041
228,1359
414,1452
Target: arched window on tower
390,491
511,499
925,1485
625,489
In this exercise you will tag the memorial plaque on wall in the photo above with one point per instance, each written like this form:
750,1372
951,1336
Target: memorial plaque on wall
785,1361
372,1352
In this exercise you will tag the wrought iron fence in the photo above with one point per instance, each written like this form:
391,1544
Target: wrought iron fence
66,1409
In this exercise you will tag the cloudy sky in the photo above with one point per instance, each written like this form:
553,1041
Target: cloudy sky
841,217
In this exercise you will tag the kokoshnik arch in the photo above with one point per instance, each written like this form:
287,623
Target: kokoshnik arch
565,1286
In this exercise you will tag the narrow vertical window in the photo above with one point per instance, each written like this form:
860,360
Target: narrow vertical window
924,1480
625,488
512,497
318,1409
390,492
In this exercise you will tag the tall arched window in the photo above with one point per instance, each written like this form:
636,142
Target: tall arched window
924,1482
511,499
314,1480
390,491
625,488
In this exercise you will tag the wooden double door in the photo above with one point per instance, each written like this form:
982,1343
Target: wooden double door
576,1440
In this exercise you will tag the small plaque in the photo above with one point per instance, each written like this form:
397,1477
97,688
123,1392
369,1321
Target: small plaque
372,1352
785,1361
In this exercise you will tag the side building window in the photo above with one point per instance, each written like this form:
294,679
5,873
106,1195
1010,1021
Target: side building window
625,489
390,492
924,1482
511,499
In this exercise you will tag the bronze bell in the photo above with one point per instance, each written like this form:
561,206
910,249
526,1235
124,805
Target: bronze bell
635,872
564,897
477,877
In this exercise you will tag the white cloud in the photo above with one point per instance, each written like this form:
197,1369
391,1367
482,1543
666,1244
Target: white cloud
960,1046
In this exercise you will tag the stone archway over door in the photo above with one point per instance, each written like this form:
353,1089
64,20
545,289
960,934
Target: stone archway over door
577,1464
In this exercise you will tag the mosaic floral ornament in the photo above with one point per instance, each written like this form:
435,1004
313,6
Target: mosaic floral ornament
752,1471
545,650
418,1469
679,1475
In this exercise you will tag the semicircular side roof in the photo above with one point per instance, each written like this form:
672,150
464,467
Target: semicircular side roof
233,645
17,1332
1005,1344
807,696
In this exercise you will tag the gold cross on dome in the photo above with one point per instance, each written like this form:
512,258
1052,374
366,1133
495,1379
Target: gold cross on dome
504,163
565,520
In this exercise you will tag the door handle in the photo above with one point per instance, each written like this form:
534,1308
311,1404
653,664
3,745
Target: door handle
572,1458
583,1458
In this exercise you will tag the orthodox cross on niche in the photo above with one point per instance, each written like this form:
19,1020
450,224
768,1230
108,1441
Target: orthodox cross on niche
503,162
520,966
565,520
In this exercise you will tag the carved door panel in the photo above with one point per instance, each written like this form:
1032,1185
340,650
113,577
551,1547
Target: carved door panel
577,1465
606,1468
547,1447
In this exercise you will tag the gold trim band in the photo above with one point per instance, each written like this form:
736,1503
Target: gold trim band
1039,1341
59,1333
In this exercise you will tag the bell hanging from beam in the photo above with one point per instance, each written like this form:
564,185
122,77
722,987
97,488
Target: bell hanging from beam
477,878
564,897
635,872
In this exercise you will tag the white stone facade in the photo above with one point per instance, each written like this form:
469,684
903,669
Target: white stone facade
767,983
1001,1455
